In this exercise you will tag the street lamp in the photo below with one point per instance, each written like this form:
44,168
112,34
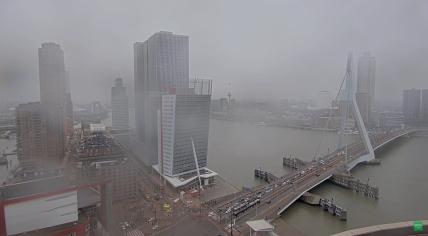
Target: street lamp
231,221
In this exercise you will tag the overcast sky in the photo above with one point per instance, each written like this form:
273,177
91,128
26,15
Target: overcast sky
265,49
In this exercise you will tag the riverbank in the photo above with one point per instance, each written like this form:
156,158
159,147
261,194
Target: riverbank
274,124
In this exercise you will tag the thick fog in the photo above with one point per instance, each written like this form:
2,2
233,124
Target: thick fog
265,50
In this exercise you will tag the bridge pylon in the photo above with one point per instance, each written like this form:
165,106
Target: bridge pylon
348,106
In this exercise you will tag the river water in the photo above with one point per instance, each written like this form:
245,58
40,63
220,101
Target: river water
236,149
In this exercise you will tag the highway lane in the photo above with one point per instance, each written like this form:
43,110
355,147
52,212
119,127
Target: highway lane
285,188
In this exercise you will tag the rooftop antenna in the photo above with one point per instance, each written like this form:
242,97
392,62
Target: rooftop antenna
229,94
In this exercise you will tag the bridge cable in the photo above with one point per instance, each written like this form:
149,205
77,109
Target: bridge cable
329,117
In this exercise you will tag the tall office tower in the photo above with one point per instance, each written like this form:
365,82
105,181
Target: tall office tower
365,93
53,99
184,116
161,63
28,133
412,106
424,106
119,106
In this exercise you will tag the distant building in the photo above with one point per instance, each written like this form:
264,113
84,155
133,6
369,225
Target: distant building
323,100
184,117
425,106
53,99
94,112
365,93
29,133
224,105
325,119
161,63
412,106
120,113
119,106
391,120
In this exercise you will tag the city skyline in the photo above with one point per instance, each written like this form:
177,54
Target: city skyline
271,73
110,126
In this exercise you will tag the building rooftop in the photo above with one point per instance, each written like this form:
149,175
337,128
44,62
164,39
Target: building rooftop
55,230
260,225
97,128
33,187
86,196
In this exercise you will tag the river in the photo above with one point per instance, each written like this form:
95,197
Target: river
236,149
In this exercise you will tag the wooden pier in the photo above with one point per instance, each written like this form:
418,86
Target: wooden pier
372,162
293,163
326,205
348,181
264,175
333,208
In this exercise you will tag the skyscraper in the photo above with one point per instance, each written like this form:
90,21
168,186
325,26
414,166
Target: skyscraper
28,133
184,117
412,106
365,93
53,100
161,63
52,74
119,106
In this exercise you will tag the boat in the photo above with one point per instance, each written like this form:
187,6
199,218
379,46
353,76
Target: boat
260,123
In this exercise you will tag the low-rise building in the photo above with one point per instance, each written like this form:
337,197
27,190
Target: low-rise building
53,207
99,157
391,119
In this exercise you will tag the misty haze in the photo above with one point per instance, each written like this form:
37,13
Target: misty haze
213,117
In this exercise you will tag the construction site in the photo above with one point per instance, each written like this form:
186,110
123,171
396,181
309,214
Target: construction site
143,201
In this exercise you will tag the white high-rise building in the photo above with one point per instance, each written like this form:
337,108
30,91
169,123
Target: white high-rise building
183,127
184,116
